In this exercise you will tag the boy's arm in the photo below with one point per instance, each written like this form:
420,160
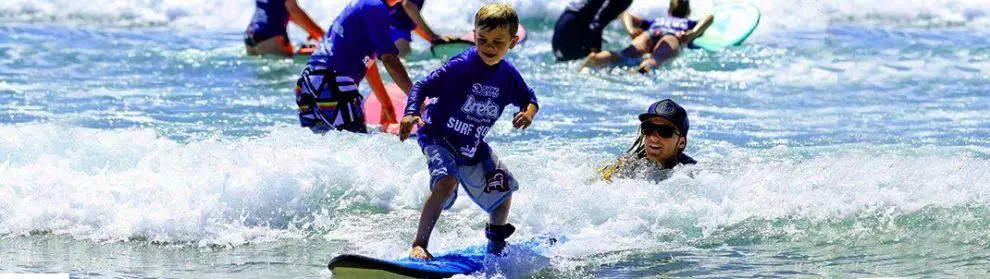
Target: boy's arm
698,30
297,15
528,102
525,118
414,106
427,87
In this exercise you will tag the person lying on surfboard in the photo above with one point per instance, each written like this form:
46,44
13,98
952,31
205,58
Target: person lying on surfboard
404,17
468,95
327,89
661,38
659,147
266,34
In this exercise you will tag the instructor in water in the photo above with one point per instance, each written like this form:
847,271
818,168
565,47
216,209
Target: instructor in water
266,34
659,146
579,29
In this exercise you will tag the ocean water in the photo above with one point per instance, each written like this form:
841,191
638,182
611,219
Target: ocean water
843,139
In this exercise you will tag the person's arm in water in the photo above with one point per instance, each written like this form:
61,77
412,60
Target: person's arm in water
297,15
633,24
697,31
421,27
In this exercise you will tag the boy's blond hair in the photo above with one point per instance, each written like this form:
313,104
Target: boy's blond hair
495,15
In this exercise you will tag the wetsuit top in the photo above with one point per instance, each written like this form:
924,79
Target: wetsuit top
358,34
591,17
467,96
399,19
269,20
661,26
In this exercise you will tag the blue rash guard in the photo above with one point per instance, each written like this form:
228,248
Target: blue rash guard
400,23
668,25
468,96
270,19
357,36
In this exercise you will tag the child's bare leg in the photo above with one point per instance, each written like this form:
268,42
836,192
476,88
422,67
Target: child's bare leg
500,216
666,48
428,218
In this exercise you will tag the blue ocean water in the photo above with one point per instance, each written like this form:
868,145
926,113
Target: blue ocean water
843,139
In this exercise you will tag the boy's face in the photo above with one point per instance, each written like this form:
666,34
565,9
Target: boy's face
493,44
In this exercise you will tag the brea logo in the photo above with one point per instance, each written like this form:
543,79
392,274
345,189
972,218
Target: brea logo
483,90
486,109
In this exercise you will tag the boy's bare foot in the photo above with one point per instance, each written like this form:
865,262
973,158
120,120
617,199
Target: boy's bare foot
420,253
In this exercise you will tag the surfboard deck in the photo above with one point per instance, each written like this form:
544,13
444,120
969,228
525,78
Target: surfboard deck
373,108
465,261
465,42
733,23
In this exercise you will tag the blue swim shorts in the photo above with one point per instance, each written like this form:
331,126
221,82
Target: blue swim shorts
488,182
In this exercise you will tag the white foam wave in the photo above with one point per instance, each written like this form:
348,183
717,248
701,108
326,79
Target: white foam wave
120,185
454,15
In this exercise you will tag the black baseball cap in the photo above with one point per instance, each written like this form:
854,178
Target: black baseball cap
669,110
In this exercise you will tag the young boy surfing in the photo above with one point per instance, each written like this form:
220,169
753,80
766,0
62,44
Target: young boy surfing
468,95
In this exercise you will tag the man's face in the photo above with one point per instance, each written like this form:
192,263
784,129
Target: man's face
659,148
493,44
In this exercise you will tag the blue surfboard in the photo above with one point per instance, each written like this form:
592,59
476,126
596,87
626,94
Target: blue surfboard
733,23
527,255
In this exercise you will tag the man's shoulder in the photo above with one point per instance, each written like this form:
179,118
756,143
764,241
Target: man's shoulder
686,160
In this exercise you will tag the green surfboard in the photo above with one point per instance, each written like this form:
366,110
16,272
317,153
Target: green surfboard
733,23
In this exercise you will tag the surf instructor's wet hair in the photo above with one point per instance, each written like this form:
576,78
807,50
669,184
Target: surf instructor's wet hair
494,15
679,8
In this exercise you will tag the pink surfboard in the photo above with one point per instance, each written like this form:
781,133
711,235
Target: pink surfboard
373,109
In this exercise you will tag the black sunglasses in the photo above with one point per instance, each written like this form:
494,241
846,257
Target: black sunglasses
665,131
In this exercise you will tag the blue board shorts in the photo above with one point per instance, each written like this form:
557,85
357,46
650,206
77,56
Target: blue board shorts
488,182
398,33
329,101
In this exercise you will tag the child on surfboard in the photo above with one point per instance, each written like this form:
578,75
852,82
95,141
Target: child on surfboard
468,95
660,37
327,90
266,34
404,17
